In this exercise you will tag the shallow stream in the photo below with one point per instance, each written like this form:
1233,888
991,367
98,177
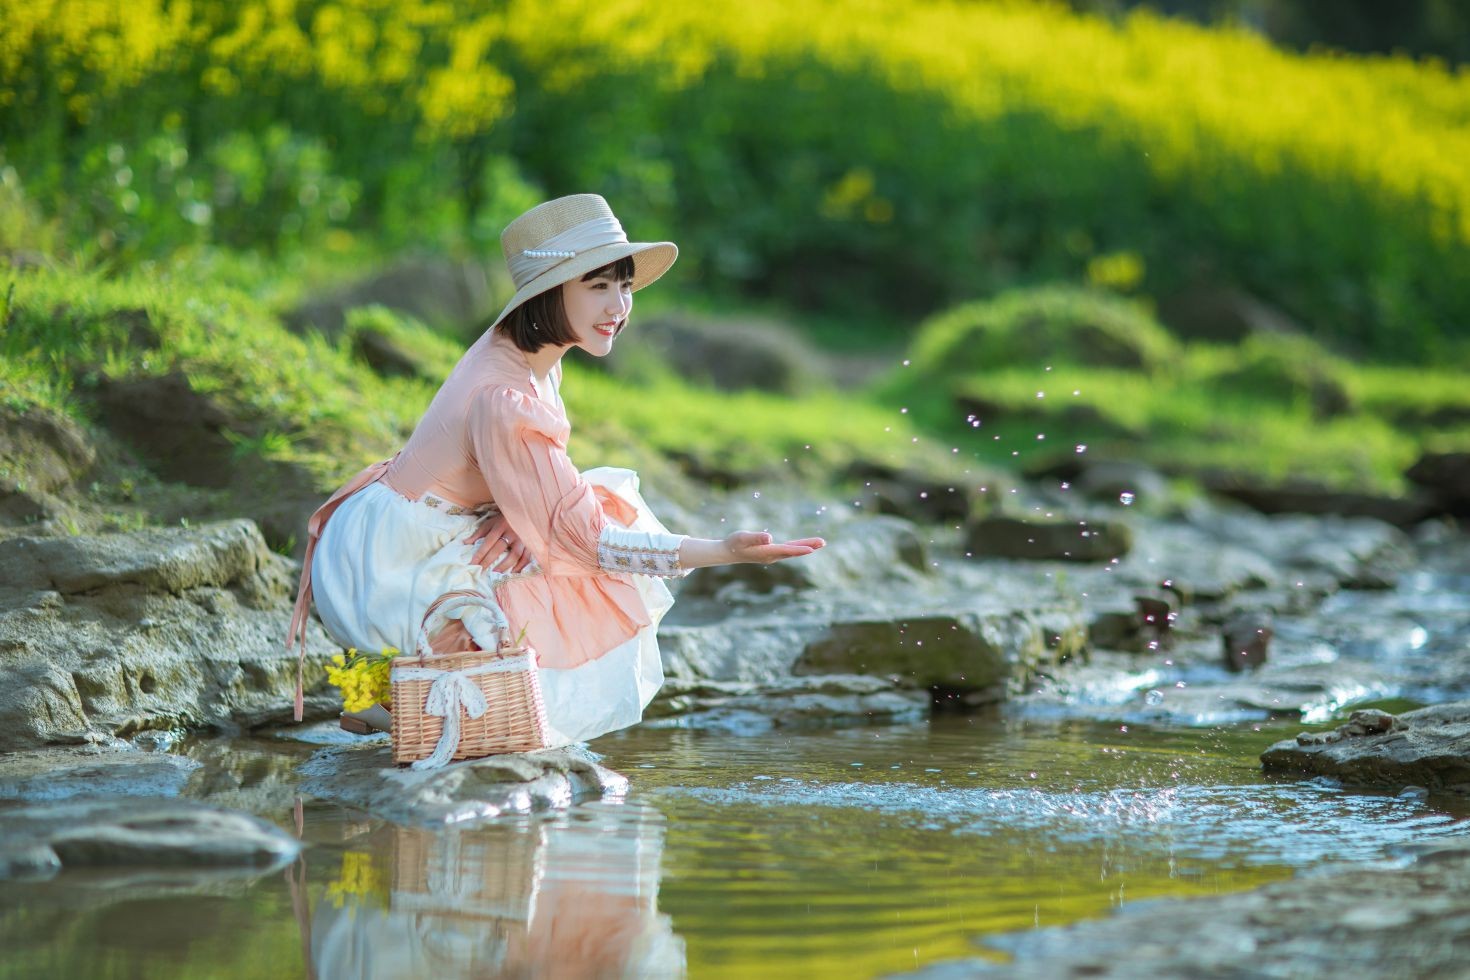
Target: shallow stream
844,853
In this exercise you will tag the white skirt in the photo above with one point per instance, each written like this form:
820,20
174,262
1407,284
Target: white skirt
383,559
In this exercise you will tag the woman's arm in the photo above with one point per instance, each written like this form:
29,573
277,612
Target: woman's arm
743,547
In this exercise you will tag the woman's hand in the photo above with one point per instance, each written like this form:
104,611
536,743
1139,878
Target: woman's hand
760,548
500,550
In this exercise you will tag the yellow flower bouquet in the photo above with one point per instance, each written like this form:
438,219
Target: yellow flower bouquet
362,678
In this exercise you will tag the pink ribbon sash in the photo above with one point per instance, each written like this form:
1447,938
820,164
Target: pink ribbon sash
314,526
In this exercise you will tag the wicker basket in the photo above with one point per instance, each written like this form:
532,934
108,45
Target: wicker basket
434,692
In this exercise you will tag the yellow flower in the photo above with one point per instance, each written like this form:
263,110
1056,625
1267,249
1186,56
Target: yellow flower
363,678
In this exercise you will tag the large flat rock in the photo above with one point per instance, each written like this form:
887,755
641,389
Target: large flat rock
46,838
364,776
109,635
1429,747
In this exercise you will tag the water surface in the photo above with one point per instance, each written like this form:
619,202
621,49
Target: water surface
847,853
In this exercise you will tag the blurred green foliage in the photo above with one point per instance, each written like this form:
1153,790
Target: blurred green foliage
841,155
1277,405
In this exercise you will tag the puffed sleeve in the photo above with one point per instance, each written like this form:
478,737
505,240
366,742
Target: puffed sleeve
519,444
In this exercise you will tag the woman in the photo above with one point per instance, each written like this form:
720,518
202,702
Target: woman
484,498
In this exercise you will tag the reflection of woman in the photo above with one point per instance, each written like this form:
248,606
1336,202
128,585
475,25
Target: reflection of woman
578,900
484,498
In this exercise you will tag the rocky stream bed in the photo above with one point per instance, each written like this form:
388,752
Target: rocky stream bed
135,666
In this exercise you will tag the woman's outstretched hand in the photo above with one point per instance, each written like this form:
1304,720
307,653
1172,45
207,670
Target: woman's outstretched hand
760,548
500,550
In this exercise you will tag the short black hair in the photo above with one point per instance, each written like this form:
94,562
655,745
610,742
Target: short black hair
542,319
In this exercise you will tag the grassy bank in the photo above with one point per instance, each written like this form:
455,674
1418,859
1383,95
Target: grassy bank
274,412
1034,374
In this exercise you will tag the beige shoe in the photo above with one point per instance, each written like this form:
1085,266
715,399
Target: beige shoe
369,720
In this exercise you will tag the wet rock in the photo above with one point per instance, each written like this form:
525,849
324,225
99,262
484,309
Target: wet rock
170,628
997,614
50,775
868,550
1428,747
1115,630
1300,496
439,292
1117,687
1117,480
1246,640
956,653
925,497
138,833
476,789
917,499
1356,552
799,702
1042,540
1156,614
1405,921
1147,626
1445,476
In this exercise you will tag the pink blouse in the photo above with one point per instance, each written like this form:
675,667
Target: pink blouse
490,438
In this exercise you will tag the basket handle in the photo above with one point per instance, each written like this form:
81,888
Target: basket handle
458,601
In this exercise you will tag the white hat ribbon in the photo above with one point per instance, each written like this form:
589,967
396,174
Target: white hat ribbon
531,263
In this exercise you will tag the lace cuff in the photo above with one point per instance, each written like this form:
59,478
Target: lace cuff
620,549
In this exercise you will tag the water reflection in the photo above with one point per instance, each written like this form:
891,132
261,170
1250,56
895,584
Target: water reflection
573,896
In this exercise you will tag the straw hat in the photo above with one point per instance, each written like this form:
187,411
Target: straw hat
566,238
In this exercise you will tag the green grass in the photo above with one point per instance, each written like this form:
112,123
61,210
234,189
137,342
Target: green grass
308,401
1277,406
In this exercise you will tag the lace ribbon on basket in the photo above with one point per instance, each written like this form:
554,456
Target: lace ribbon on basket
450,691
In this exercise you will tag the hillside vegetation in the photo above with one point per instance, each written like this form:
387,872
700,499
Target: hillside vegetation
877,159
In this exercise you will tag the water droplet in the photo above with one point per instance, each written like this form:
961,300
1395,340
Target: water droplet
1040,436
1125,498
905,362
1082,447
1154,698
1066,485
1041,394
903,411
756,495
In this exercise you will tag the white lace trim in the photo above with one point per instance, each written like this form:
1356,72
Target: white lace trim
621,549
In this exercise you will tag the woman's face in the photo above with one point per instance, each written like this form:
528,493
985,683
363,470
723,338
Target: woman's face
595,309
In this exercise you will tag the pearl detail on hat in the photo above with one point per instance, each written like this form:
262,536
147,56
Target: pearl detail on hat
547,253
